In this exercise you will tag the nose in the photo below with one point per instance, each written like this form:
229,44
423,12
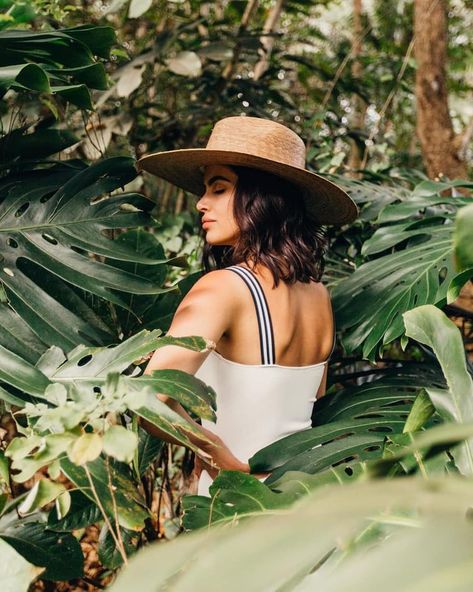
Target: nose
201,204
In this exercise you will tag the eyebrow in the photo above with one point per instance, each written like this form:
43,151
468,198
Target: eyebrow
217,178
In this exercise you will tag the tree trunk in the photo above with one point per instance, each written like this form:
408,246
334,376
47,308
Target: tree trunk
441,148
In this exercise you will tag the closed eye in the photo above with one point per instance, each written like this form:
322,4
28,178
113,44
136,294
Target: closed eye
219,190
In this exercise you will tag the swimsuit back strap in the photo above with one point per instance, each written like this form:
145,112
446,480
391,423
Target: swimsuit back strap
265,326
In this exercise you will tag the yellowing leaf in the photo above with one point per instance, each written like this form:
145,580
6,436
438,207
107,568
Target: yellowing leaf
120,443
86,448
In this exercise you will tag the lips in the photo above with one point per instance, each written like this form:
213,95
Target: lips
204,222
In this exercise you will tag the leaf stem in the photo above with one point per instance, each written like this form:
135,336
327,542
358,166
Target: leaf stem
115,513
118,542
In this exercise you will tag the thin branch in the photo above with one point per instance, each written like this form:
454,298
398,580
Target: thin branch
267,40
229,70
387,102
115,511
105,516
343,65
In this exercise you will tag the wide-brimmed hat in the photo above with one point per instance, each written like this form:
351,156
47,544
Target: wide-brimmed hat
258,143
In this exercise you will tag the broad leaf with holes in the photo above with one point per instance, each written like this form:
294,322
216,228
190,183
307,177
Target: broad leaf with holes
236,495
369,304
370,197
350,426
86,390
51,221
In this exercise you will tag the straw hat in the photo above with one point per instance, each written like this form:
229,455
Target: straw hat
258,143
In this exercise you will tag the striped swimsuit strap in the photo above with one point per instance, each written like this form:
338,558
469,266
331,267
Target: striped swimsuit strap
265,326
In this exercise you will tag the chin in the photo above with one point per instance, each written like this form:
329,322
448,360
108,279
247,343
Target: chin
219,242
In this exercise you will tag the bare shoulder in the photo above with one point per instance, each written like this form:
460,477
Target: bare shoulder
219,281
323,291
218,287
320,291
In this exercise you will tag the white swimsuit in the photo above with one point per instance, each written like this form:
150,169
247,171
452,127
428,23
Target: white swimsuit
258,404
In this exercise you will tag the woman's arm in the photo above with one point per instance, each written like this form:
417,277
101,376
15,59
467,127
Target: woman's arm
207,310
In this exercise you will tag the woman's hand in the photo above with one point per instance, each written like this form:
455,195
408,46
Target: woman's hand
219,457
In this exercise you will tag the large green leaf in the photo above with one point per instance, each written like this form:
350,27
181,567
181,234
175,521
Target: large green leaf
30,61
234,495
350,426
430,326
91,366
82,512
16,574
98,38
23,76
108,553
148,449
59,553
38,144
147,245
290,544
369,304
150,408
181,386
49,222
92,75
463,238
69,47
113,488
17,337
20,374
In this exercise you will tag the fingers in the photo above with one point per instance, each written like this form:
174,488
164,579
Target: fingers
197,466
201,464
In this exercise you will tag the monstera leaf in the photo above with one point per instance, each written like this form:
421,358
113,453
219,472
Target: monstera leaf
350,425
51,222
369,304
369,197
85,369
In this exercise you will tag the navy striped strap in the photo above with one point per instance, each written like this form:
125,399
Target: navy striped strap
265,326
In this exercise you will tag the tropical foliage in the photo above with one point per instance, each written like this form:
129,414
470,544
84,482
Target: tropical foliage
92,270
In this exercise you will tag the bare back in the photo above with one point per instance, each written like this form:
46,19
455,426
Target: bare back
302,321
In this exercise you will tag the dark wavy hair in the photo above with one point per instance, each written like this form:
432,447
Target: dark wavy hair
275,230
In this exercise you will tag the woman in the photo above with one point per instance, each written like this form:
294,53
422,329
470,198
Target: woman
263,306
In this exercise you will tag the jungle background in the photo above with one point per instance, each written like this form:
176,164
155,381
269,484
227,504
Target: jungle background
94,260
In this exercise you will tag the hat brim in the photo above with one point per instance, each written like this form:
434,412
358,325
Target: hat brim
325,200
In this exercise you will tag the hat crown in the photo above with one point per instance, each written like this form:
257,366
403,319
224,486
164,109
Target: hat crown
258,137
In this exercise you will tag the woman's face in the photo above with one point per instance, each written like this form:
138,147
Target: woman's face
216,205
